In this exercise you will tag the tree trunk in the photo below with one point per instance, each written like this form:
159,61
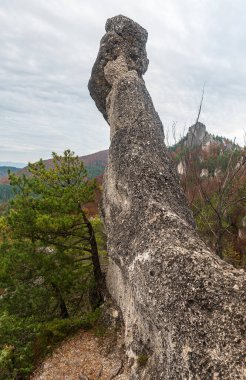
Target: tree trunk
62,305
183,307
98,275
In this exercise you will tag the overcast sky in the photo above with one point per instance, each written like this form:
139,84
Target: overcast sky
48,47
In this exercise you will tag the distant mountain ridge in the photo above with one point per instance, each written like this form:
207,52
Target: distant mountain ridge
95,164
13,164
4,170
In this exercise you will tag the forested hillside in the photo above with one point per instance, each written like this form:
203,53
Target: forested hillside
5,169
212,170
6,191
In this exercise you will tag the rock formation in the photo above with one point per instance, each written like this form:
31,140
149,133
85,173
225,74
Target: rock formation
197,136
183,308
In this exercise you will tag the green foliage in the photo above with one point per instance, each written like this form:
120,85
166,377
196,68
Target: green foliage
142,360
207,218
24,341
101,330
47,255
32,275
96,169
6,193
6,190
100,235
219,205
231,255
220,161
47,280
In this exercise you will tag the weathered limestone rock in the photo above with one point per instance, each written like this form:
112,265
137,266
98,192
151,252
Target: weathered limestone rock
123,38
197,136
183,308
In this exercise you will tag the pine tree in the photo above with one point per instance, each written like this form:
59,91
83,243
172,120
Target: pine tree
50,257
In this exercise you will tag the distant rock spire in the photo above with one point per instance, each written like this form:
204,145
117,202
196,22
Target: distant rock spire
197,135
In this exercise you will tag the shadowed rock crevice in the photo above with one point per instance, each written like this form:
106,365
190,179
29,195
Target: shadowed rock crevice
182,306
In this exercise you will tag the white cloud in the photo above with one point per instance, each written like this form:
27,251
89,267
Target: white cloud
48,47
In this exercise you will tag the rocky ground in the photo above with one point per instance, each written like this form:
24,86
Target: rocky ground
85,356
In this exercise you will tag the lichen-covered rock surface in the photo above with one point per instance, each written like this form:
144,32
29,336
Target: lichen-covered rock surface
183,308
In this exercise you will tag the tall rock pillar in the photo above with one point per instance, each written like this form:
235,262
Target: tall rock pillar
182,306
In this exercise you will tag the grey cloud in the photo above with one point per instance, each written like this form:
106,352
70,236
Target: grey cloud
47,49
